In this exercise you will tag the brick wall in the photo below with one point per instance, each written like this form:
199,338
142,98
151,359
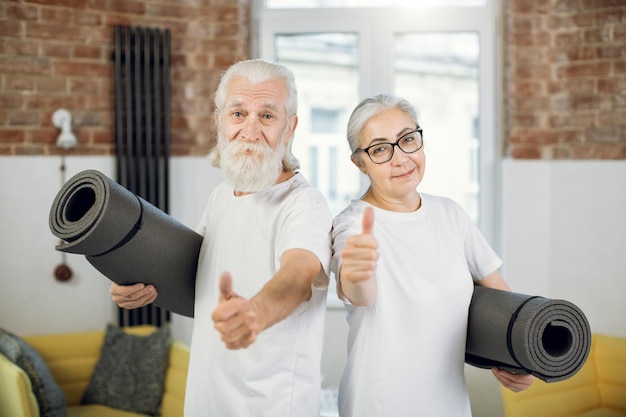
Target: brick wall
564,72
565,79
57,53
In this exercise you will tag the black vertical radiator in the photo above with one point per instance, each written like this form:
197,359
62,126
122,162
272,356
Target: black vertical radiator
142,129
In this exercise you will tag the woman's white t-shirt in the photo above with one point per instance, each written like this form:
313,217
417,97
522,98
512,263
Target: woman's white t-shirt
279,374
406,351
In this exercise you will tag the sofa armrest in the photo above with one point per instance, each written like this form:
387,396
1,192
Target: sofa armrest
16,395
175,380
610,359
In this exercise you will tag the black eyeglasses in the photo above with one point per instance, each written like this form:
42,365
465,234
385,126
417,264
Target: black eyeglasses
380,153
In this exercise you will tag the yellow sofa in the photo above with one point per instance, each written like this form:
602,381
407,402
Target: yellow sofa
71,359
597,390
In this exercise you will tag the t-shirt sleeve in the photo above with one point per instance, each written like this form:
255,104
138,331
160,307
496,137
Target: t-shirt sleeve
307,226
482,260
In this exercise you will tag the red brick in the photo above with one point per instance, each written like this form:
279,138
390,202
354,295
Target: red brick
568,39
55,50
18,47
12,100
52,31
613,85
526,152
57,15
23,118
612,118
87,51
82,69
75,4
87,18
24,65
611,51
21,12
42,136
104,136
19,82
598,35
12,135
619,32
596,4
29,150
575,53
10,28
567,6
569,86
526,120
51,84
127,6
584,70
569,136
84,85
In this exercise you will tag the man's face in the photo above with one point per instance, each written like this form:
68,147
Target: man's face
253,129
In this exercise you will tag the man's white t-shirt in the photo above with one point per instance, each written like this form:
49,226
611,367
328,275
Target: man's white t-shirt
406,352
279,374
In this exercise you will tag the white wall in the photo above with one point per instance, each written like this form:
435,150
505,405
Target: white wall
564,236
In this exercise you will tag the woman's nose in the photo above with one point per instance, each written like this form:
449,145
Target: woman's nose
398,157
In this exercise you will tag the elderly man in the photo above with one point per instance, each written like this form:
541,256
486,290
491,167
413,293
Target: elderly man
263,268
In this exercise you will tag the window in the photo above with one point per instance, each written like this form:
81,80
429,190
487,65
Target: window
441,58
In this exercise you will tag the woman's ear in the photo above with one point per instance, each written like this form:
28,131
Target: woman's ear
291,128
356,160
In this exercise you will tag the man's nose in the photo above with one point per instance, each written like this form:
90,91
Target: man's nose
251,130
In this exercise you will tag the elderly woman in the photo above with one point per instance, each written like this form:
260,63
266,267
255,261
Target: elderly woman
406,264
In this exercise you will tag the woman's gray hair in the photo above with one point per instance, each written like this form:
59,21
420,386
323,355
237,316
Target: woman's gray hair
369,108
258,71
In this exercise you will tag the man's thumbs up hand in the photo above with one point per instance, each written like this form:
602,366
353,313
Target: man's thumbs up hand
234,316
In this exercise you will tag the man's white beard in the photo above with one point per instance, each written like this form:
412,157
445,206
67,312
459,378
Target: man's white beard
250,166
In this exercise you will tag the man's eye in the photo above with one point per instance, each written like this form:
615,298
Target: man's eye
268,116
238,114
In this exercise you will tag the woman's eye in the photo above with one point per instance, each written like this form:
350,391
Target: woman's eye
238,114
267,116
409,138
378,150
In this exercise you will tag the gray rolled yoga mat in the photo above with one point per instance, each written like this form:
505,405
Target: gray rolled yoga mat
547,338
127,239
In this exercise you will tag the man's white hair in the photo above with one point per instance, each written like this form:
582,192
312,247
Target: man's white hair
259,71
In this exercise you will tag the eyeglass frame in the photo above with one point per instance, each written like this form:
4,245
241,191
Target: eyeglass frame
393,145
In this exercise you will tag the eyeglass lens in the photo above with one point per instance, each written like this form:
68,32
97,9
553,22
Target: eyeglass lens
383,152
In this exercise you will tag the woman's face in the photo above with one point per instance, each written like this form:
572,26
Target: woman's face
399,177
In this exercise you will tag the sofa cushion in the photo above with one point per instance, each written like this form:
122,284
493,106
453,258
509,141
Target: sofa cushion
130,372
49,396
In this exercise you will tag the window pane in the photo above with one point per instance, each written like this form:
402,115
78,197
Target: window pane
438,73
325,67
292,4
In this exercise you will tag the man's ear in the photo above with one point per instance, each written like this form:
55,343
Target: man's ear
291,129
217,119
356,160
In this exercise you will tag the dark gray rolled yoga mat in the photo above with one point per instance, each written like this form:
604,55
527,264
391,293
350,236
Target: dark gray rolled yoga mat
547,338
127,239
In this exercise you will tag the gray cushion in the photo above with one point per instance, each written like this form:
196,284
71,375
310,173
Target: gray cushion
130,373
49,396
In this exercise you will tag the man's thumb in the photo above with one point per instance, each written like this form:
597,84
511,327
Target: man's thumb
226,286
368,221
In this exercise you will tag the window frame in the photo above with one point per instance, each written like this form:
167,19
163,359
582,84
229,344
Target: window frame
375,28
